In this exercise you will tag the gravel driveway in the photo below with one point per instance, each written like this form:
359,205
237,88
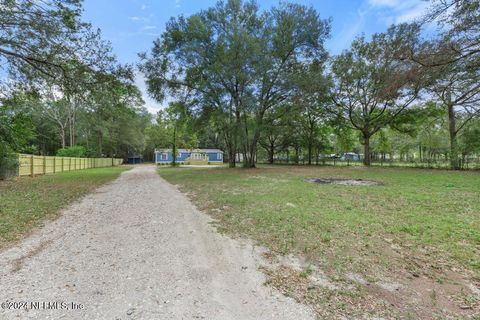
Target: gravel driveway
136,249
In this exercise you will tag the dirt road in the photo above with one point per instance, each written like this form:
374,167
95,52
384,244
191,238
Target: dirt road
136,249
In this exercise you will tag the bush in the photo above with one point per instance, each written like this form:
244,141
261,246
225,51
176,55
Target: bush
75,151
8,165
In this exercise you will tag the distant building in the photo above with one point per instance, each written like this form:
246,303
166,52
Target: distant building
351,156
134,159
193,156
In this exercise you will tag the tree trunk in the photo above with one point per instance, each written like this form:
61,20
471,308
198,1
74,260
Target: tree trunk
232,152
366,150
250,159
271,154
72,129
231,159
100,143
453,139
231,146
62,136
251,149
174,147
310,147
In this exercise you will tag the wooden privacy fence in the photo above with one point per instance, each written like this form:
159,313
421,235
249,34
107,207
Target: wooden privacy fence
30,165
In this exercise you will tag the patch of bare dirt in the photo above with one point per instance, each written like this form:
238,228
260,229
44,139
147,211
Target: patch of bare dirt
443,294
345,182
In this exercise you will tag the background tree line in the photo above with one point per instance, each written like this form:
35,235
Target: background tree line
254,83
260,83
63,92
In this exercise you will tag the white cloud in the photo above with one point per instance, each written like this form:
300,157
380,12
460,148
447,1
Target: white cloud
349,32
413,13
177,4
144,6
383,3
140,19
398,11
149,27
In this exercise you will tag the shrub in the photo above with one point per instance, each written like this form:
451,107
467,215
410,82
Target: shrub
75,151
8,164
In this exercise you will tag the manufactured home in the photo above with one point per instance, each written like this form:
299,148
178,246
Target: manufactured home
190,156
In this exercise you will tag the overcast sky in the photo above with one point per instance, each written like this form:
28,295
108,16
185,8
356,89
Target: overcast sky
132,25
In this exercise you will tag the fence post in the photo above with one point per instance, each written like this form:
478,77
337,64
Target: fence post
54,164
44,165
62,162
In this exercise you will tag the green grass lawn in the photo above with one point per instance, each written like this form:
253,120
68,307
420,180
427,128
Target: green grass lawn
420,222
25,201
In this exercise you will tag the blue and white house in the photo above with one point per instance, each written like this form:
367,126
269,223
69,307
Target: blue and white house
192,156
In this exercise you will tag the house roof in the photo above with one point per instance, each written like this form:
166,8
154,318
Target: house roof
190,150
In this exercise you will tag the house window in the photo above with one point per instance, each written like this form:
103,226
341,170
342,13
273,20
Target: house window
219,156
164,156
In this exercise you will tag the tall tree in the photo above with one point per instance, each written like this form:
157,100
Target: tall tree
312,101
44,44
172,130
453,59
457,87
371,87
239,60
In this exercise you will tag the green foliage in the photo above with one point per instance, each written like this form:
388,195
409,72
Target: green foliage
109,119
173,119
39,39
470,139
16,127
15,132
75,151
79,99
372,87
233,82
8,163
345,140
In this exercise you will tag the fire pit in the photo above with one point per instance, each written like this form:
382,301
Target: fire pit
346,182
